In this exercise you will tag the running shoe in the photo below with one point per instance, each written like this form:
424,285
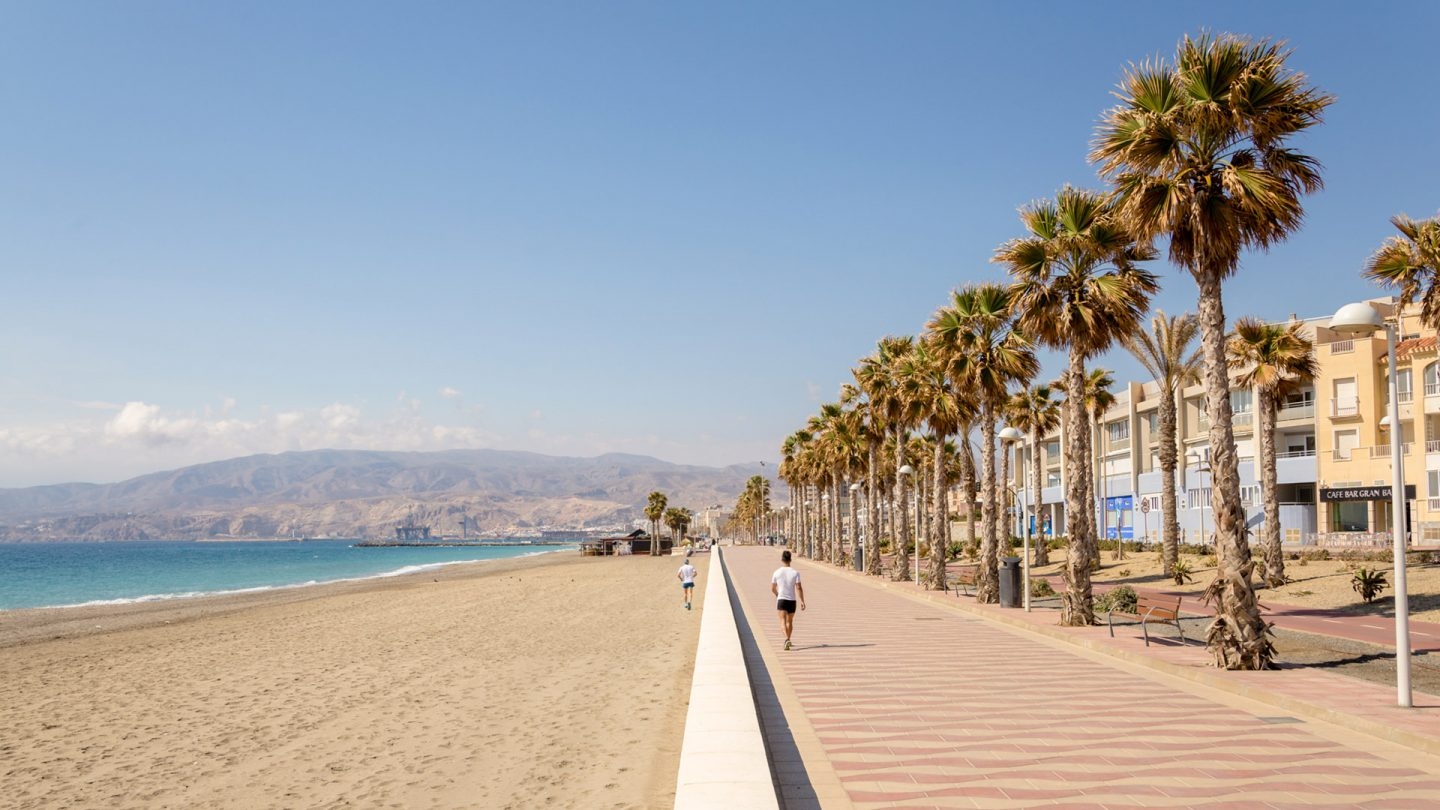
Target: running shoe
787,643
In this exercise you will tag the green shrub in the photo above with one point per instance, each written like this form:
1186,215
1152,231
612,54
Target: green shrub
1041,587
1181,572
1121,598
1368,583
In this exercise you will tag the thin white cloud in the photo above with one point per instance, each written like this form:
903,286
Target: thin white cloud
450,393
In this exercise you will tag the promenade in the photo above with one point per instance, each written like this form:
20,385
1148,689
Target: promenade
897,697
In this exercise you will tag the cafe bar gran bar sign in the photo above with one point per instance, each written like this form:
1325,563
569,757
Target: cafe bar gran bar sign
1332,494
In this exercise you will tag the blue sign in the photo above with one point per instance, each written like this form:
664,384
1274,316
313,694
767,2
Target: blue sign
1126,532
1120,503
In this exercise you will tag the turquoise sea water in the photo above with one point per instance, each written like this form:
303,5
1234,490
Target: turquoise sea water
60,574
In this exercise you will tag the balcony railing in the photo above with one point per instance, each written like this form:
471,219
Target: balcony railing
1305,411
1432,446
1342,346
1298,454
1344,455
1383,450
1432,389
1432,504
1244,418
1345,406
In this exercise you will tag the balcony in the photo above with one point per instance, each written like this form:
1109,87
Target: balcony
1432,504
1344,455
1345,408
1432,397
1383,451
1432,446
1342,347
1294,413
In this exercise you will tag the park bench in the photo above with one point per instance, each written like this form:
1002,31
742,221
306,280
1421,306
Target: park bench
1159,609
963,577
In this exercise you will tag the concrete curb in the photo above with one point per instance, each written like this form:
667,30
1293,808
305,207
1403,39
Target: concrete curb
723,762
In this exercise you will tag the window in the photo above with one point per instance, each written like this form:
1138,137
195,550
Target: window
1052,479
1250,495
1345,443
1118,431
1403,381
1241,400
1152,423
1198,498
1347,400
1299,399
1431,377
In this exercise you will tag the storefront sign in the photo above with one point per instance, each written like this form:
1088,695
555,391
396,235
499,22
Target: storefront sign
1334,494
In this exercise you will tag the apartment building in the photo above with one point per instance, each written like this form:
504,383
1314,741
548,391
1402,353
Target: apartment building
1332,442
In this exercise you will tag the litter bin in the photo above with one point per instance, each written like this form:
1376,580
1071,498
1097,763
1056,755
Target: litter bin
1010,582
859,556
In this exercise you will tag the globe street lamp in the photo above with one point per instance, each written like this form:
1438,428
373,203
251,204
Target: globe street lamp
1361,319
905,472
1012,437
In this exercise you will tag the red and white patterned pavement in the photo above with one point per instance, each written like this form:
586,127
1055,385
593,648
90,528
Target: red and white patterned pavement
897,698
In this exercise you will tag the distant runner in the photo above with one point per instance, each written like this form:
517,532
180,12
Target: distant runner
686,575
785,584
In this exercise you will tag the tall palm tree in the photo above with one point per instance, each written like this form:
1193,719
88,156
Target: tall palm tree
877,376
926,385
1274,359
1199,153
1035,413
1099,398
1079,288
1411,261
1165,352
984,353
654,512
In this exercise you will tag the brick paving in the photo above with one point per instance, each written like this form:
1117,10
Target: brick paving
897,698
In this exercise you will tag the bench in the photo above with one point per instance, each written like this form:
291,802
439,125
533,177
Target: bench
964,576
1159,609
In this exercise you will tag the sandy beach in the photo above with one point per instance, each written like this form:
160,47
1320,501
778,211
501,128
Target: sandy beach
552,681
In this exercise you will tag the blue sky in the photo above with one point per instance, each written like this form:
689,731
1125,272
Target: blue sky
575,228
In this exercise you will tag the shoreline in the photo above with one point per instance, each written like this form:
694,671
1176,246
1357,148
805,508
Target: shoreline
552,679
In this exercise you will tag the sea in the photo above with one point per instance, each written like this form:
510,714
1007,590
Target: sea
39,575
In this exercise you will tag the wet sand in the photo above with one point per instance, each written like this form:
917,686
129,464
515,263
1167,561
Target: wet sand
552,681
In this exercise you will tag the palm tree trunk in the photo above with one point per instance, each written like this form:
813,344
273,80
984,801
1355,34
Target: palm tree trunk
1077,604
872,514
967,487
1169,503
1239,638
1042,551
1274,556
939,548
1091,501
987,580
902,505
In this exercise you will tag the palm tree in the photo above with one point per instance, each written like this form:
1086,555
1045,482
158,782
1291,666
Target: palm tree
1275,360
876,376
1079,289
1198,152
1165,352
1035,413
984,353
927,388
655,511
1411,262
678,519
1099,398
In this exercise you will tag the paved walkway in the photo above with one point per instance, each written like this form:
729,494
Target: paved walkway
895,697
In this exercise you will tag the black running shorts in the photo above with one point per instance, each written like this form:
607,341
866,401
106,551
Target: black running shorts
787,605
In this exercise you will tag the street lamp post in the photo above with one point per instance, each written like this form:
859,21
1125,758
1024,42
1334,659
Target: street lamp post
1013,437
1362,319
1201,466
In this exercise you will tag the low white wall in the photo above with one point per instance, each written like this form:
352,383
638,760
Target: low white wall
723,763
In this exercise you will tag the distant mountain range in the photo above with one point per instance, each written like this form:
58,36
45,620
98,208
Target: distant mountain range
353,493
